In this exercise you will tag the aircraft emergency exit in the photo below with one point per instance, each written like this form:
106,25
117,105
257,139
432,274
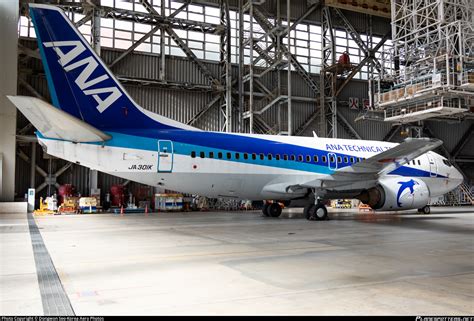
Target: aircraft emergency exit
94,122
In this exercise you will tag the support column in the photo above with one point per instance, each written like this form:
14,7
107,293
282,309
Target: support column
290,111
8,85
240,128
162,43
33,165
95,31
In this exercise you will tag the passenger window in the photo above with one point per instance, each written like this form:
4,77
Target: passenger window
269,156
419,162
339,159
237,155
211,154
324,159
277,156
315,158
229,155
201,154
292,157
352,160
193,154
254,156
300,158
285,157
360,159
331,159
262,157
246,156
219,155
345,159
413,162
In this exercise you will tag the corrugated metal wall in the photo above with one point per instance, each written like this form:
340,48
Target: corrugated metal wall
450,132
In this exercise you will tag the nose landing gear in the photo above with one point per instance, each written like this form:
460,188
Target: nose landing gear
425,210
316,212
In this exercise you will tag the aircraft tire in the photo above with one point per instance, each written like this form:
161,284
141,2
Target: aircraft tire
274,210
317,212
425,210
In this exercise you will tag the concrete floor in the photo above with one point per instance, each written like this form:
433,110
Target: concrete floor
246,264
19,290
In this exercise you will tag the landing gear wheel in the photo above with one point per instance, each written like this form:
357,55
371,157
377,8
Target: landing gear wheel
316,212
265,209
425,210
274,210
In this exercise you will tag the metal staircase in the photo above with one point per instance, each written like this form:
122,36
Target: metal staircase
462,195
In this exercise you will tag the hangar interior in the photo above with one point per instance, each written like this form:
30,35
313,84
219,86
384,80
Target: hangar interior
367,69
209,77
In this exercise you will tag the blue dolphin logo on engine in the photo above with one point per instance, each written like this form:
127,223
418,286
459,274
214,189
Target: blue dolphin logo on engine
403,186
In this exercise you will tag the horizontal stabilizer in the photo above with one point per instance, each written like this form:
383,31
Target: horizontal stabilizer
55,123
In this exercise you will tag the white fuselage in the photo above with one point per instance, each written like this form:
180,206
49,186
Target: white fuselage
239,178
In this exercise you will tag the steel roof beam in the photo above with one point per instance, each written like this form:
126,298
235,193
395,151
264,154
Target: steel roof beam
151,18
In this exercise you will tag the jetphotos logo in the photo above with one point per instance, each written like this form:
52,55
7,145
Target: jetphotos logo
67,52
403,186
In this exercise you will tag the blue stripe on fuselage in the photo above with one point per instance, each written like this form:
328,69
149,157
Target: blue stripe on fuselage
187,141
183,147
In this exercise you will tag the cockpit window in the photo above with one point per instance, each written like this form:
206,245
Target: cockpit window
447,163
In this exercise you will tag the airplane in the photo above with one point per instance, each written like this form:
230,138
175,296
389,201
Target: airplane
95,123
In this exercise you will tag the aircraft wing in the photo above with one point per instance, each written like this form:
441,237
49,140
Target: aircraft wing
391,159
55,123
363,174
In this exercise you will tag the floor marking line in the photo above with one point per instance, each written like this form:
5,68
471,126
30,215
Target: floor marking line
53,296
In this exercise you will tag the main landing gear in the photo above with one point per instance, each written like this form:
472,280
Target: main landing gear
316,212
272,209
425,210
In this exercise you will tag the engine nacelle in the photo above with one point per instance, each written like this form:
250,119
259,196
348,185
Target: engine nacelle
397,193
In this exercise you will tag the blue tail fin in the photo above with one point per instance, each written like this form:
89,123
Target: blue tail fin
80,83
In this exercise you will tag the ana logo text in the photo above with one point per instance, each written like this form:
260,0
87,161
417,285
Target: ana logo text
83,80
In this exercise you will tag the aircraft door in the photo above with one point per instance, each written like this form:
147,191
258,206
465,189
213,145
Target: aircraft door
165,156
332,161
433,166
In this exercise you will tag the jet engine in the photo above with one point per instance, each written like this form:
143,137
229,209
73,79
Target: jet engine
396,193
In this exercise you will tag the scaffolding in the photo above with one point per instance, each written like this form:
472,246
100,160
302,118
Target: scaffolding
265,51
262,41
430,69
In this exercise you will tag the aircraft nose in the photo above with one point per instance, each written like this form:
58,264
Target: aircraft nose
457,177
